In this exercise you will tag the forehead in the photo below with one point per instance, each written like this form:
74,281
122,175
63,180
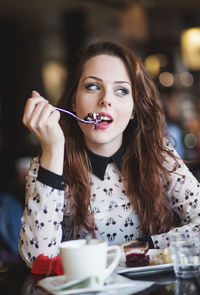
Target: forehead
107,66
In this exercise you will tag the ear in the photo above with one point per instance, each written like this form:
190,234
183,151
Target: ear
132,115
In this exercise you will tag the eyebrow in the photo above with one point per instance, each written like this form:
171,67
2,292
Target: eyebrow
96,78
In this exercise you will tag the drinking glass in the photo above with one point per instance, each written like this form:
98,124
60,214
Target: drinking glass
185,251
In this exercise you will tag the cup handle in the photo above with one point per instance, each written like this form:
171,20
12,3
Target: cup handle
115,261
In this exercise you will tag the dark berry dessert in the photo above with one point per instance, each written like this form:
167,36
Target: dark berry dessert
136,254
137,258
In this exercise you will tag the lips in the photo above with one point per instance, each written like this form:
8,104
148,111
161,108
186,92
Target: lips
105,117
105,121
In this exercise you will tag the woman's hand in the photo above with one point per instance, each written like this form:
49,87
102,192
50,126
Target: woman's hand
42,119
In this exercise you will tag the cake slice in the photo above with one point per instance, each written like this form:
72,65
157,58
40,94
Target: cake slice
136,254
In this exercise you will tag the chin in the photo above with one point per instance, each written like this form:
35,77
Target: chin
107,140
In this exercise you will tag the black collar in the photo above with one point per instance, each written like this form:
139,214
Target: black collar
99,163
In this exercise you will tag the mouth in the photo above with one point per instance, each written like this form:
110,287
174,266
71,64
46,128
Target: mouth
93,117
105,118
99,118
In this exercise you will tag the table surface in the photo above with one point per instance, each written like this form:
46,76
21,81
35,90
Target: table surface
17,279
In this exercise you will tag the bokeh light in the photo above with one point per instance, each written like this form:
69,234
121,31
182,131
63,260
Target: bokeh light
166,79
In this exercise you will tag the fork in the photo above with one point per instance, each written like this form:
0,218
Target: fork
79,119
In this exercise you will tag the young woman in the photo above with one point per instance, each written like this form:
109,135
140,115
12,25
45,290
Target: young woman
121,181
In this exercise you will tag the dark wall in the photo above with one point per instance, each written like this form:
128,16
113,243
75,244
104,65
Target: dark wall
75,31
19,74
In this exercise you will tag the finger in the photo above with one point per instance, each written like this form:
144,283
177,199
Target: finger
35,93
41,114
31,104
30,107
49,113
55,115
44,119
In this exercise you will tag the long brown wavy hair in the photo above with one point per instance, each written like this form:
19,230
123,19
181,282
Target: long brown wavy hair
144,160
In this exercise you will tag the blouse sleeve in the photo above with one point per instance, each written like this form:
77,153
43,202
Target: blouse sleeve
41,230
184,197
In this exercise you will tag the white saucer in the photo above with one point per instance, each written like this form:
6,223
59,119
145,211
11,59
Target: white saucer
115,282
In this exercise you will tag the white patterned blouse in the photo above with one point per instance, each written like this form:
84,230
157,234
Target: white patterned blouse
46,220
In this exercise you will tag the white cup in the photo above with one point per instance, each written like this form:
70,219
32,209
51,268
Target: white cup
81,260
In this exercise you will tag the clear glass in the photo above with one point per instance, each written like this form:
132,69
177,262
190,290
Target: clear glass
185,251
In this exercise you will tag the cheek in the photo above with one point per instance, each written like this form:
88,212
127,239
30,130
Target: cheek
81,108
126,112
77,103
124,119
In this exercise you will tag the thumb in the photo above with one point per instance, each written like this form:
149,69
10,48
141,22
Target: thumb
35,93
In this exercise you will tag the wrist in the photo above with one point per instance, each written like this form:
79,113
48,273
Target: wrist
52,160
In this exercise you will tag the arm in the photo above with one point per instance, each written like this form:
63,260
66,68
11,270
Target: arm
184,198
41,230
41,222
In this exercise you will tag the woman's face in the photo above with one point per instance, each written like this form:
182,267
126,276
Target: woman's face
104,88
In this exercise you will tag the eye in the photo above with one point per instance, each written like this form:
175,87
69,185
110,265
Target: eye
122,91
92,87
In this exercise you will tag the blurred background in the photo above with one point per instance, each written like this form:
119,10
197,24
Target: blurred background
38,39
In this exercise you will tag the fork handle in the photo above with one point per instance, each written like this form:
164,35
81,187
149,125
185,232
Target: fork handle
72,114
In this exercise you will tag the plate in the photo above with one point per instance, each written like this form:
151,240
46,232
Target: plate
114,283
144,270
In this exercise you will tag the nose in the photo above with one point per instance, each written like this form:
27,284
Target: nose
105,100
105,103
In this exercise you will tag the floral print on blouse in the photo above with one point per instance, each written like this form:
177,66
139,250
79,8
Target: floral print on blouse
46,220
